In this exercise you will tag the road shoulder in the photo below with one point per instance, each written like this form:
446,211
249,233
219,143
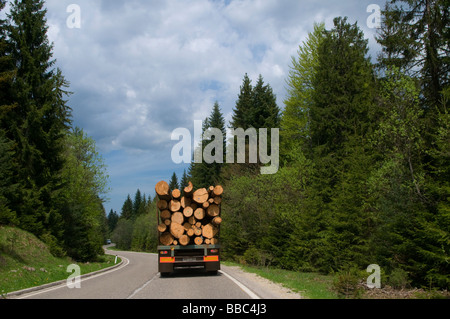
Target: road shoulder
262,287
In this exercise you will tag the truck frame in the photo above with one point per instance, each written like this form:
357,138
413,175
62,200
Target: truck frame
175,257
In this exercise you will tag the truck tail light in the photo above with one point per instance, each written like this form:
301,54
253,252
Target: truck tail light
214,251
164,252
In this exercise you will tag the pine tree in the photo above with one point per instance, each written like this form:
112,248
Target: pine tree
112,218
127,208
242,115
340,123
415,38
7,216
184,181
38,123
265,112
206,174
173,184
7,72
137,203
294,121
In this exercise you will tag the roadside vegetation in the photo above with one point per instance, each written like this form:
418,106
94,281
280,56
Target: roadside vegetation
348,284
26,261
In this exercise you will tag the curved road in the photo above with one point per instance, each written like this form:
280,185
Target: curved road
138,278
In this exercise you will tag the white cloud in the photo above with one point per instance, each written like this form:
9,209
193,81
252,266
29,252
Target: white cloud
140,69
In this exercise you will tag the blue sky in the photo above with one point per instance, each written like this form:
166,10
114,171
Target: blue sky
140,69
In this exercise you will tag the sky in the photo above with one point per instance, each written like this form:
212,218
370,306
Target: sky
139,69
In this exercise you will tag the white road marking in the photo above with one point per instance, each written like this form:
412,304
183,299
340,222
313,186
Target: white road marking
244,288
142,287
126,262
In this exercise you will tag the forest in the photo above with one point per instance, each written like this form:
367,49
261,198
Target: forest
364,173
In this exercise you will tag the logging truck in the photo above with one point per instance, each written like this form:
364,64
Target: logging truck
188,228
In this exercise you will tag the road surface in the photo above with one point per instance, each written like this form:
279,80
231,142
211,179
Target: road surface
138,278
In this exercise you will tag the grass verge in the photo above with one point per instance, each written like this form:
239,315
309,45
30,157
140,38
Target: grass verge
26,262
309,285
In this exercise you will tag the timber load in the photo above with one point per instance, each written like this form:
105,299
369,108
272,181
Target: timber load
188,216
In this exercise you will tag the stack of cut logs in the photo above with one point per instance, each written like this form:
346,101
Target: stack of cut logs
191,219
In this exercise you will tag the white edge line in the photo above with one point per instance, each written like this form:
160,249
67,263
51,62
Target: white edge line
244,288
64,282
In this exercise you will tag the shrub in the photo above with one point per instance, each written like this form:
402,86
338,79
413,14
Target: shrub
347,284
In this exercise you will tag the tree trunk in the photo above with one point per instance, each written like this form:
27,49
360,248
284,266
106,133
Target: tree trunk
185,202
188,190
176,230
209,231
162,228
162,204
198,240
174,205
213,210
184,240
201,195
163,191
199,213
216,221
218,190
166,239
188,211
177,218
165,214
176,193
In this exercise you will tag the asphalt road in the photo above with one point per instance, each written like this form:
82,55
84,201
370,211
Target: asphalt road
138,278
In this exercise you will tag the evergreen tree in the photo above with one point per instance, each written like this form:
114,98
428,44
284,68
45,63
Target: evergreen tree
242,116
7,189
415,38
38,123
7,216
137,203
206,174
7,72
184,181
340,123
173,184
294,121
127,208
265,113
112,218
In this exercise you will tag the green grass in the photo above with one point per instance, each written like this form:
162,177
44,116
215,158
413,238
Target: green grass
26,262
309,285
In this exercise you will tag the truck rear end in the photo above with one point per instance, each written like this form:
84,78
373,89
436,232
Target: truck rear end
188,228
205,257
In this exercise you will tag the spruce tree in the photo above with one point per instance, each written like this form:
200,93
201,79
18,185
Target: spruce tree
173,184
294,121
206,174
138,200
415,38
38,123
127,208
242,115
340,123
264,113
184,181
